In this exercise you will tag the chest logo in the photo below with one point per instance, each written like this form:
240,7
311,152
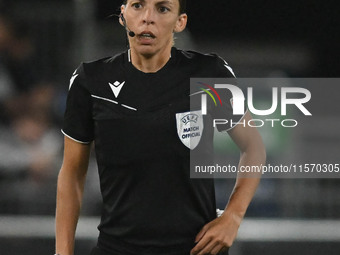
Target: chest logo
116,87
190,128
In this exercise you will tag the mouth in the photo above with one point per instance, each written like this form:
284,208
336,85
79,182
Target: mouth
147,34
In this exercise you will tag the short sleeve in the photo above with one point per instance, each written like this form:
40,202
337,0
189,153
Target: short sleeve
223,69
78,122
224,111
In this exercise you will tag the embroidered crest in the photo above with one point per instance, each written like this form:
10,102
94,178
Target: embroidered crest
190,128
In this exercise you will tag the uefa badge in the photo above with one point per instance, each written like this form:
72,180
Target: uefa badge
190,128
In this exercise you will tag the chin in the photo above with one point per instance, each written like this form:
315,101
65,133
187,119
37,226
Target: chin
147,50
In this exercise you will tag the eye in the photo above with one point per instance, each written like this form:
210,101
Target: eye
137,5
163,9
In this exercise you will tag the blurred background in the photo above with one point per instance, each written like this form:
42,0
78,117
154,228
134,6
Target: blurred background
42,42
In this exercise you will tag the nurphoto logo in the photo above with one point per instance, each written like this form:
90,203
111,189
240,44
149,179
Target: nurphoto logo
240,103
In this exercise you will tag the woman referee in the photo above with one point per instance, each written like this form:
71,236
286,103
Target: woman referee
131,107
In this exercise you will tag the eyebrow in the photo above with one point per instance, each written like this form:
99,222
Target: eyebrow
165,2
160,2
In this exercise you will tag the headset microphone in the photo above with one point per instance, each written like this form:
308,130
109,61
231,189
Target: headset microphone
130,33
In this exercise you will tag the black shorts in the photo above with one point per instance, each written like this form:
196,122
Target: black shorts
98,251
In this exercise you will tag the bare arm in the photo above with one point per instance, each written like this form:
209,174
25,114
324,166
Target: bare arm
220,233
252,154
71,181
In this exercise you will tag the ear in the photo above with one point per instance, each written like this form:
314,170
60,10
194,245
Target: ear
181,23
122,9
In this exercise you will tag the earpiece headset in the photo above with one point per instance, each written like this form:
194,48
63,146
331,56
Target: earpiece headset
130,33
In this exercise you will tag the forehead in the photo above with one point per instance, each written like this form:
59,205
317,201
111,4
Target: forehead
172,2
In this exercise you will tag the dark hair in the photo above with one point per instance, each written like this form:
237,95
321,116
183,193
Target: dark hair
182,5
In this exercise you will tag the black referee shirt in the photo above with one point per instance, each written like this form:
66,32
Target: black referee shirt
150,203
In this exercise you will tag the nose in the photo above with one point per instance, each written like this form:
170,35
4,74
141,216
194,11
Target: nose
148,16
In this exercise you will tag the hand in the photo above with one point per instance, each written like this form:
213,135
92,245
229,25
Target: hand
218,235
